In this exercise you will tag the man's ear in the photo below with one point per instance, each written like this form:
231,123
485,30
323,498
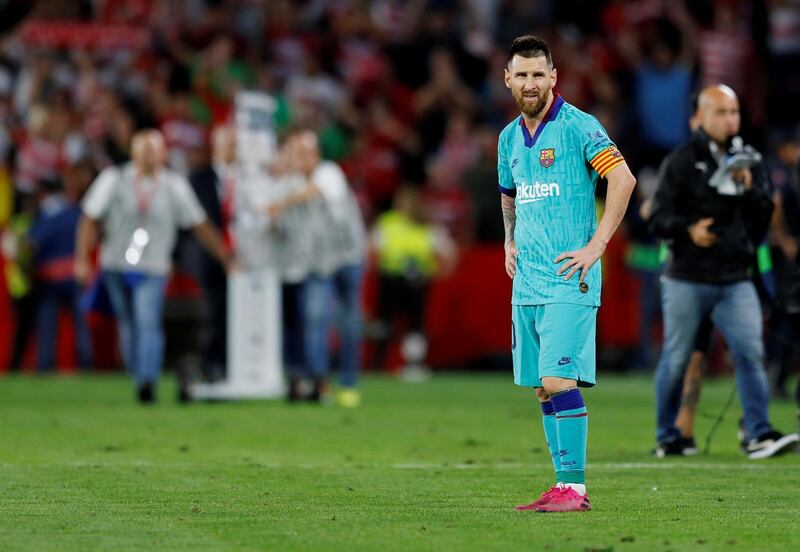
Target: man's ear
507,77
554,76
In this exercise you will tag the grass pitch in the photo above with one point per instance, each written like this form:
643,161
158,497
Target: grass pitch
434,466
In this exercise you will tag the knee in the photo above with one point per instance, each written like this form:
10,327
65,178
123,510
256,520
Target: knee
315,317
542,395
750,357
314,310
148,323
555,385
351,319
673,367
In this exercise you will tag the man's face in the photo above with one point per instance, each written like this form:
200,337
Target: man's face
720,117
530,81
148,150
225,145
306,150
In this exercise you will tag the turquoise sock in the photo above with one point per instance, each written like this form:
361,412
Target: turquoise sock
572,423
551,436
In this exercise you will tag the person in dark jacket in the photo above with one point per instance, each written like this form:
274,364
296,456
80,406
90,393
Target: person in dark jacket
52,240
215,188
785,237
712,209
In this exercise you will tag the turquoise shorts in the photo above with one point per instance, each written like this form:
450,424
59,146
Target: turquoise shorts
556,339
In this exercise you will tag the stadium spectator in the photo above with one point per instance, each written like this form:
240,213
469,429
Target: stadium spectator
139,207
40,155
443,93
727,46
785,236
446,202
52,238
215,188
18,269
379,153
410,252
337,280
714,215
661,56
783,44
479,183
296,223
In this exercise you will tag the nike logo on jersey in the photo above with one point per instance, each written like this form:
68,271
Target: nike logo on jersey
528,193
564,361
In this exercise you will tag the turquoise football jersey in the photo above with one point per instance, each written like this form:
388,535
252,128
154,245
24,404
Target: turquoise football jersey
552,176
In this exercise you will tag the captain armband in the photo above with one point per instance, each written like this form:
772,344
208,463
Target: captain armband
606,160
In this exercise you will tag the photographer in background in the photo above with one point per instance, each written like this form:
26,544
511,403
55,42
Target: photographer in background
712,209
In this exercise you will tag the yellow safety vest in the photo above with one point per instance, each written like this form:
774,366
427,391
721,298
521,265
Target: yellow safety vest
17,281
406,246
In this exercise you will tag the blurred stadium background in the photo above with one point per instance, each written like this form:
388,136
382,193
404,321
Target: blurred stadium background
401,92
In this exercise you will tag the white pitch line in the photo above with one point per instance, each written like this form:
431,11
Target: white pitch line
602,466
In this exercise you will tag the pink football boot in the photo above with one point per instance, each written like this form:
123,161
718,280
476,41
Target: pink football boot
541,501
566,500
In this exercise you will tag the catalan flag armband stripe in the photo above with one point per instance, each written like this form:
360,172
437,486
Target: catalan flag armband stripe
606,160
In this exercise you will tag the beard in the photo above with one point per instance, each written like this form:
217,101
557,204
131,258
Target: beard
531,108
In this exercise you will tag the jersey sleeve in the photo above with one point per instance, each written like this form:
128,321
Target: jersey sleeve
598,149
504,177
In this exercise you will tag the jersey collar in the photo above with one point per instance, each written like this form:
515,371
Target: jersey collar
551,114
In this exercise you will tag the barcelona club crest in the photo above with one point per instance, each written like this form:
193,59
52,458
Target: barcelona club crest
547,157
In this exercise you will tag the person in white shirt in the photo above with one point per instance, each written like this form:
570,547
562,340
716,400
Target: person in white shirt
138,208
335,252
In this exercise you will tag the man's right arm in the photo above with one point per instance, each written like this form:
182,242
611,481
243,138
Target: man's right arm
508,192
509,223
95,206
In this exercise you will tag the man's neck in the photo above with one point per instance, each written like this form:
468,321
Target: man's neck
224,170
532,123
147,172
722,146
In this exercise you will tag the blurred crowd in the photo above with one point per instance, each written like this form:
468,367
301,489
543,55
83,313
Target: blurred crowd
403,94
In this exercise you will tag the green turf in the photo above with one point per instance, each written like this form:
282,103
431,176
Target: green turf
434,466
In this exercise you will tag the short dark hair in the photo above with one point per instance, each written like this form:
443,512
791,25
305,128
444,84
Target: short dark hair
530,46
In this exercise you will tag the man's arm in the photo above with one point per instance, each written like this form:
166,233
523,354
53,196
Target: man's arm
304,194
95,206
509,223
211,240
620,187
85,241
